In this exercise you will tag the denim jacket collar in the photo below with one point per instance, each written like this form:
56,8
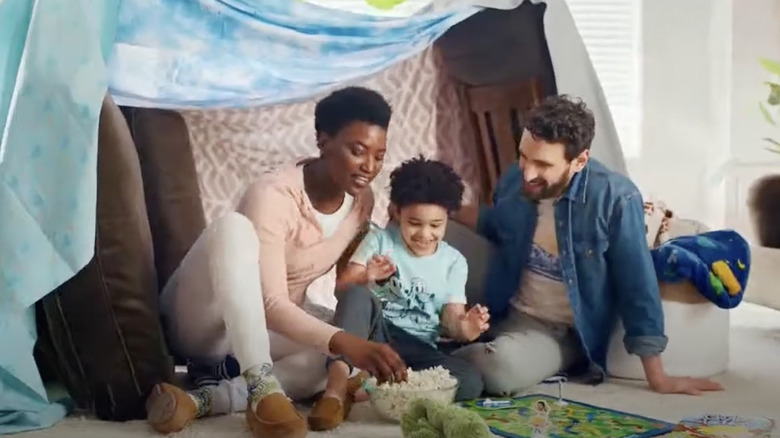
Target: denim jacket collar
578,188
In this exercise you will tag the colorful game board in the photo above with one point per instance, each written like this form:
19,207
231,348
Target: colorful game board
537,416
723,426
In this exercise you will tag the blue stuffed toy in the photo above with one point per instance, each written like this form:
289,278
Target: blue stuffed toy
716,262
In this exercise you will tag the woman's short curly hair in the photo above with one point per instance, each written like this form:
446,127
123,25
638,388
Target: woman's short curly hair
351,104
424,181
562,119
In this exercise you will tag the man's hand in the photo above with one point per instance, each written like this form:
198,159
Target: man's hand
662,383
379,268
379,360
684,385
474,322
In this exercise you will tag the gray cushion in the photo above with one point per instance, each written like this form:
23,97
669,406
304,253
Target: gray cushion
477,251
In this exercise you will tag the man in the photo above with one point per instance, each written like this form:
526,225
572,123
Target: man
570,257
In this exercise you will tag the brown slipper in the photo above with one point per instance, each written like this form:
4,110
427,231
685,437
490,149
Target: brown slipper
169,409
276,417
329,412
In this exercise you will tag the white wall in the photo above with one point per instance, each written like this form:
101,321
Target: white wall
701,129
756,32
686,51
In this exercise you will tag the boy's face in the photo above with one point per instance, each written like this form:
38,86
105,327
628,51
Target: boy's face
422,227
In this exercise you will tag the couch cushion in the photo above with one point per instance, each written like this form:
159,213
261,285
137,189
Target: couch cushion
101,328
477,251
172,195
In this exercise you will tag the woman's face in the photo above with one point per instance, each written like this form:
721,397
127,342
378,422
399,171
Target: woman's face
354,155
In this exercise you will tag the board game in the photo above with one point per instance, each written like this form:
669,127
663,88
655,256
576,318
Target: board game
538,415
723,426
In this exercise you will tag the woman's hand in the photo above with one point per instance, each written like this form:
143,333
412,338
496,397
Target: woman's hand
377,359
379,268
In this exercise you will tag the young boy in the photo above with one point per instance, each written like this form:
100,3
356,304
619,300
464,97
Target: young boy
405,286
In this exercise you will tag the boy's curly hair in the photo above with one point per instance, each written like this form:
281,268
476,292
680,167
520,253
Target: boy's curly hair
562,119
424,181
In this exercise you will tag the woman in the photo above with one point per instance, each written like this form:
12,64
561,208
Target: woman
240,288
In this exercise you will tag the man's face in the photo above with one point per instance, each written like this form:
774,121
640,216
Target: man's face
546,171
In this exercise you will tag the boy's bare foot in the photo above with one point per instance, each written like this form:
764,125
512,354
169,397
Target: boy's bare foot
360,396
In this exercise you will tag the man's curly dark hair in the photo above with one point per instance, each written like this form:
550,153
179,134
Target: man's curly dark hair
562,119
351,104
424,181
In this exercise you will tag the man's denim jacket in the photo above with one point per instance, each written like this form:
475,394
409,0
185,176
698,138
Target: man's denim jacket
606,263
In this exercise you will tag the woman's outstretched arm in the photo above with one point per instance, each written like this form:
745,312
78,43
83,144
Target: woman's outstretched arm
271,211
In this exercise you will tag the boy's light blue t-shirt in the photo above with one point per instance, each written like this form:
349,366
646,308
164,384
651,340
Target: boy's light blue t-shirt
413,297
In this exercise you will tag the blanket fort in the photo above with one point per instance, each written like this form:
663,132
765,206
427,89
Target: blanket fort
538,415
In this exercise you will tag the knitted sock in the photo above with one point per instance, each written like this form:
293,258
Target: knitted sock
260,383
203,401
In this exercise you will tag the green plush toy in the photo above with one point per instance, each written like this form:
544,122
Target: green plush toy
384,4
433,419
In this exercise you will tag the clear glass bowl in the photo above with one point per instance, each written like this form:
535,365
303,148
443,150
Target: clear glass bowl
391,404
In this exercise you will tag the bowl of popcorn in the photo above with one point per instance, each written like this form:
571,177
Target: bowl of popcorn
391,399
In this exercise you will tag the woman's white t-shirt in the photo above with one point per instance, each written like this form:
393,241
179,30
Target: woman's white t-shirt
320,300
330,222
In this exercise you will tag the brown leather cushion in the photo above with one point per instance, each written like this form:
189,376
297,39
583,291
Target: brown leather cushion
101,329
173,198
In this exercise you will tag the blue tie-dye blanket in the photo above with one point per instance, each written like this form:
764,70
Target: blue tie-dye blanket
716,262
52,84
240,53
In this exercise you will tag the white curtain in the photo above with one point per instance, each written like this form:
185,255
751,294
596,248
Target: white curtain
611,30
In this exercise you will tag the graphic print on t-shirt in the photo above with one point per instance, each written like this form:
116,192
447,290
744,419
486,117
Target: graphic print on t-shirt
545,264
542,291
413,304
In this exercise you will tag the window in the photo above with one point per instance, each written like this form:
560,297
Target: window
611,30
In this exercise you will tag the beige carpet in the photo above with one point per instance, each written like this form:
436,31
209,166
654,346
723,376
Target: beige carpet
752,389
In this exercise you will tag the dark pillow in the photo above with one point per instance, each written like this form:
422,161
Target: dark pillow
100,331
173,199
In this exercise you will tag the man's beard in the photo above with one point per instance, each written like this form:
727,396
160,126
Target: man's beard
548,191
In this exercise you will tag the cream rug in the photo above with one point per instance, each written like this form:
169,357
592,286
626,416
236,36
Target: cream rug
752,389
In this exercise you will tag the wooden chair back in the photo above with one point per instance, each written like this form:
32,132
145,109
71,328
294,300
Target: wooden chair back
498,113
